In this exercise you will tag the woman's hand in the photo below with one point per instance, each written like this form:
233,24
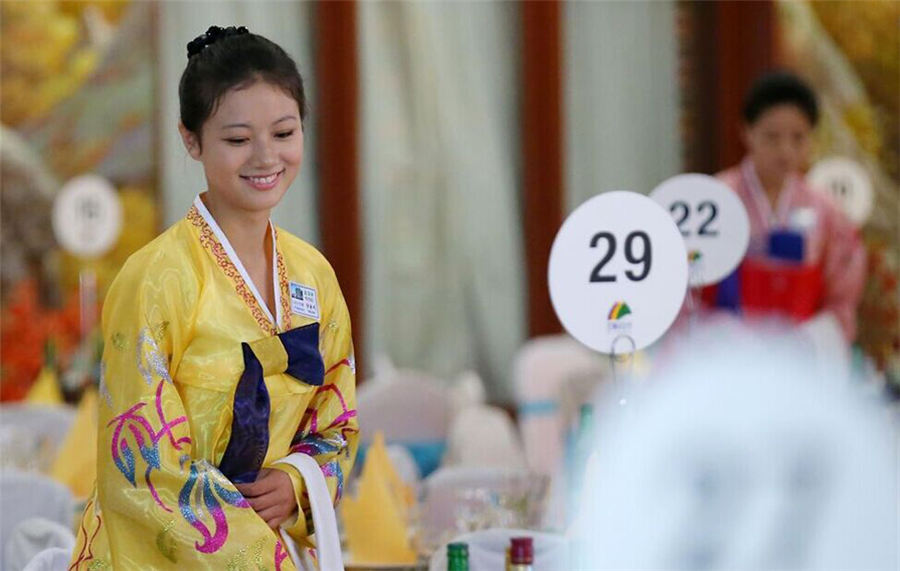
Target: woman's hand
271,496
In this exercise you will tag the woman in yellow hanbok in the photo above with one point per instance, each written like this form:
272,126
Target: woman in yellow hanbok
227,345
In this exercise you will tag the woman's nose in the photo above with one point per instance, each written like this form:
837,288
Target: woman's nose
787,149
264,154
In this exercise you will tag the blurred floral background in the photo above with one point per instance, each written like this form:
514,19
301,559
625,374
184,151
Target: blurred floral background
77,97
850,52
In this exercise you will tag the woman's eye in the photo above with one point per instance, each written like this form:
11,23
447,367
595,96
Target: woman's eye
284,134
236,140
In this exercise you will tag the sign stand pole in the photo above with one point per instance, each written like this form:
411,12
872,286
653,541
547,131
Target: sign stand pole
621,362
693,301
87,293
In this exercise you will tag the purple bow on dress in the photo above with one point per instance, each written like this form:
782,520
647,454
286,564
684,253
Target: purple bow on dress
249,440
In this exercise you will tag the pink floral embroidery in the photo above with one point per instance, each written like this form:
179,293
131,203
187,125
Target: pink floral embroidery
145,439
203,489
316,442
280,555
343,418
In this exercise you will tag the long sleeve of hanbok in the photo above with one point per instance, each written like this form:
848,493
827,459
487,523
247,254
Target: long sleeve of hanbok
329,430
162,507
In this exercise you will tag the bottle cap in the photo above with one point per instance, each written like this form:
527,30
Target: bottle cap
521,551
457,549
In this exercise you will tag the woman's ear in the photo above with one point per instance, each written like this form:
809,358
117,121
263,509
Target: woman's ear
746,135
190,140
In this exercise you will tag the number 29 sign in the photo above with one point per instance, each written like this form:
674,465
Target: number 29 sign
618,268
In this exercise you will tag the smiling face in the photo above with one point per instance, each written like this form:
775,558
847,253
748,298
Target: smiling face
779,142
252,148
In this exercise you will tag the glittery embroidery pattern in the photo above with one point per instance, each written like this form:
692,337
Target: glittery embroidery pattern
145,439
150,359
103,388
280,555
199,502
166,543
330,440
159,330
313,555
213,246
119,341
240,562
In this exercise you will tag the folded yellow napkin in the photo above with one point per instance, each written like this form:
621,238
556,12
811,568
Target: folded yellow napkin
76,462
376,521
45,389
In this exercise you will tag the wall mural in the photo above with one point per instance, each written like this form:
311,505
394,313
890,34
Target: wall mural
850,53
78,98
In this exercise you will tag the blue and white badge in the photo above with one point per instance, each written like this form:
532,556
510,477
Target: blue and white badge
304,300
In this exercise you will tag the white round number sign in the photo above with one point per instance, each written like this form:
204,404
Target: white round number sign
618,270
87,216
712,220
849,184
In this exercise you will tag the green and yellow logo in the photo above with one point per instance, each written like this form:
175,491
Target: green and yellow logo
619,310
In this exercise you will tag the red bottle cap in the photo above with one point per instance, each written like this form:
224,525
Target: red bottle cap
521,551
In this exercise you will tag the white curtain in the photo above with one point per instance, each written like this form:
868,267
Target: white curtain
622,97
285,23
444,264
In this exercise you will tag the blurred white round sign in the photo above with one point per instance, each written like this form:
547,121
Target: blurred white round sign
712,220
743,452
848,183
87,216
618,272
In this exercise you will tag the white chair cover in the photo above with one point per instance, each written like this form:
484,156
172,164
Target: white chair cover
404,405
30,435
36,543
487,550
410,408
29,495
542,367
484,436
405,465
53,559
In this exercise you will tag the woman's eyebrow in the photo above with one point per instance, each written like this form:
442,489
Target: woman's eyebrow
285,118
247,125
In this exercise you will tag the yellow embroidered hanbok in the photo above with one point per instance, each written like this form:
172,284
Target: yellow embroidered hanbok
201,387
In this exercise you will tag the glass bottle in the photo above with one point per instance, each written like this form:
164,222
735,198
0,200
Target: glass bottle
457,557
521,554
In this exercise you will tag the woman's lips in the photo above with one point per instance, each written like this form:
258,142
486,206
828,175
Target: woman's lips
267,182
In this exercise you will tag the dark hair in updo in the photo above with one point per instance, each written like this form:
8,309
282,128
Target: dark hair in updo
225,58
778,88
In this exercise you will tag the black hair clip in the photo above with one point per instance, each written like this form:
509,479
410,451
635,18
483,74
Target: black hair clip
212,35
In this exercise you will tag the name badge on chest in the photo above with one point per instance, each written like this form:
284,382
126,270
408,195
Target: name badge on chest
304,300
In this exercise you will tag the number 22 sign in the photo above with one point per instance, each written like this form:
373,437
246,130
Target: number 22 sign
711,219
618,267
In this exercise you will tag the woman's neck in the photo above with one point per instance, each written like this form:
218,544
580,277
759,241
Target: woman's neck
247,232
771,185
